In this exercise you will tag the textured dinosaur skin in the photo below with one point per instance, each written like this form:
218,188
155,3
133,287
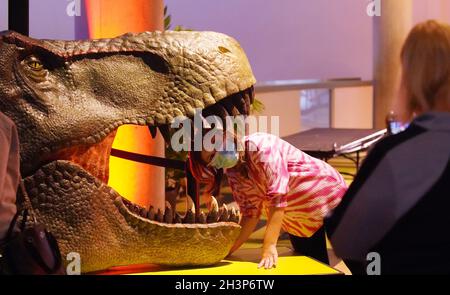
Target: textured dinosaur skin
68,98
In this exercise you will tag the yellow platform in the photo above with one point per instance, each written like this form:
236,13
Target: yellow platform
294,265
244,262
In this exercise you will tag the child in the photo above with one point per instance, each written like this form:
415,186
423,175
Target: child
294,190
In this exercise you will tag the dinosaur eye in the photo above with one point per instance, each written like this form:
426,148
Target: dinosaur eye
34,69
35,65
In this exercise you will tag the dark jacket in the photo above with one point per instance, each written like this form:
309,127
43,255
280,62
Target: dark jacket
398,204
9,172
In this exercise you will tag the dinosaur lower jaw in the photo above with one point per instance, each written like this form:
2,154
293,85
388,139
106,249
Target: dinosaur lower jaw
90,218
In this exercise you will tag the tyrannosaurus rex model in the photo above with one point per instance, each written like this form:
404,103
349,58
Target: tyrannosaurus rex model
68,98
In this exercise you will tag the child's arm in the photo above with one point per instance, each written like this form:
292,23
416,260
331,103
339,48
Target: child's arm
269,251
248,225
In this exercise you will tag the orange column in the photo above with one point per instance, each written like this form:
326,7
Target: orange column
140,183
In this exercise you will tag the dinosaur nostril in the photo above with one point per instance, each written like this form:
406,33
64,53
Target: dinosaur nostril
156,63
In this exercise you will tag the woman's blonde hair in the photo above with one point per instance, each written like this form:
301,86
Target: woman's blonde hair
425,61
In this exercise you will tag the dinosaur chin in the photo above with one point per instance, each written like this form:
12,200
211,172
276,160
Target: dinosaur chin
68,98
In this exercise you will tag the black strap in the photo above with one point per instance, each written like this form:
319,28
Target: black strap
12,225
151,160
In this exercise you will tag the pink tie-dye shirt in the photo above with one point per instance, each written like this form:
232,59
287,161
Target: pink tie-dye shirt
281,175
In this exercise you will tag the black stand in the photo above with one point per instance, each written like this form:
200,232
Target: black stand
18,16
327,143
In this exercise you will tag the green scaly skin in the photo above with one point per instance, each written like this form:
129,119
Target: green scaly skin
68,98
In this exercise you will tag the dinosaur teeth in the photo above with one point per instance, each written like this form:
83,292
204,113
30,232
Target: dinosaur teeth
223,114
201,218
151,213
177,218
233,216
225,215
153,131
214,204
213,215
165,132
168,214
251,92
190,205
126,202
143,213
216,110
240,104
150,121
136,209
229,107
247,100
132,207
160,216
190,217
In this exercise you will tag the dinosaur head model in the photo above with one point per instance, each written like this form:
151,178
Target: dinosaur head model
68,98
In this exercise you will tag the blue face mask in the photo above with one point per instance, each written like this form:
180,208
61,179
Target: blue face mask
225,159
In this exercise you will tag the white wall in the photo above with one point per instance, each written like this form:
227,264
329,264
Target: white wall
295,39
49,19
289,39
431,9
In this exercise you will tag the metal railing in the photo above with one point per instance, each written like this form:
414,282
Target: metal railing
285,85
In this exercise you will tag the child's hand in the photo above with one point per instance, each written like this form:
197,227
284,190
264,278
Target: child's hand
269,256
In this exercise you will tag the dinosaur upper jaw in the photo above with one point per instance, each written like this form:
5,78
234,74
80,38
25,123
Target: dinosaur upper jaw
85,89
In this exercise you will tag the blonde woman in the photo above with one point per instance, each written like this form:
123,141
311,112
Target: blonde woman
396,209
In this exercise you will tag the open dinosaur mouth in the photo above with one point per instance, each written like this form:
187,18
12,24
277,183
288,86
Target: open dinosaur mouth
94,159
